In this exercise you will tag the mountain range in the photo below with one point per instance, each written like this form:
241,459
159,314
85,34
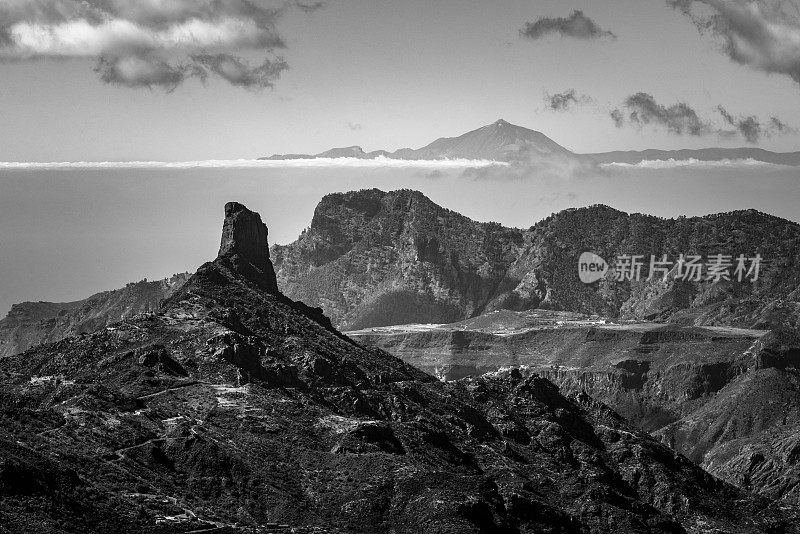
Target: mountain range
506,142
374,258
234,408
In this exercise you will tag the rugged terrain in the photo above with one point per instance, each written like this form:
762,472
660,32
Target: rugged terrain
372,258
32,323
727,398
234,408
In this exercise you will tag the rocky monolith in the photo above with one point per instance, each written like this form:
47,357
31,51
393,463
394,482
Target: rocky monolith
244,244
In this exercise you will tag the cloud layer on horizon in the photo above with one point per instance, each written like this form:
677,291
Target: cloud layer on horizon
762,36
660,164
151,43
577,26
378,162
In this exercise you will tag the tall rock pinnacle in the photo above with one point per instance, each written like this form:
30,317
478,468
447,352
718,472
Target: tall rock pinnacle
244,245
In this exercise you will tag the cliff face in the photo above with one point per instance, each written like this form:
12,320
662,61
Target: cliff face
371,258
375,258
31,323
237,409
652,374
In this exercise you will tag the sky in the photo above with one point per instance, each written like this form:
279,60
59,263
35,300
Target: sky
200,80
388,74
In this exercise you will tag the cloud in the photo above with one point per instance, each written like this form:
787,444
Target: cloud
577,25
780,127
751,128
553,167
238,72
617,117
566,99
642,109
309,7
658,164
151,43
379,162
355,126
765,38
134,71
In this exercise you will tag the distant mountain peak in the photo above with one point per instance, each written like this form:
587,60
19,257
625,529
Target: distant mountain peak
498,141
507,142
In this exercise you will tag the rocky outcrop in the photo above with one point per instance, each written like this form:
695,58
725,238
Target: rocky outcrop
234,409
31,323
244,245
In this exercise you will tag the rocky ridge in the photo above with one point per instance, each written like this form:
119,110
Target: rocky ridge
374,258
31,323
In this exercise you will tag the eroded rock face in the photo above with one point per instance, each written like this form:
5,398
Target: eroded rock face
281,419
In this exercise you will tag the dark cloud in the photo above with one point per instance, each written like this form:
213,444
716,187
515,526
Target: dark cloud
238,72
751,128
309,7
642,109
761,36
577,25
617,117
780,127
151,43
565,99
136,71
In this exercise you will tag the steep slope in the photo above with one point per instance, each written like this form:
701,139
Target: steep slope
235,409
749,432
727,398
31,323
376,258
371,258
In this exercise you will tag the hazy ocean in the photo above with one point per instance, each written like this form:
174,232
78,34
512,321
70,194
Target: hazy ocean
65,234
